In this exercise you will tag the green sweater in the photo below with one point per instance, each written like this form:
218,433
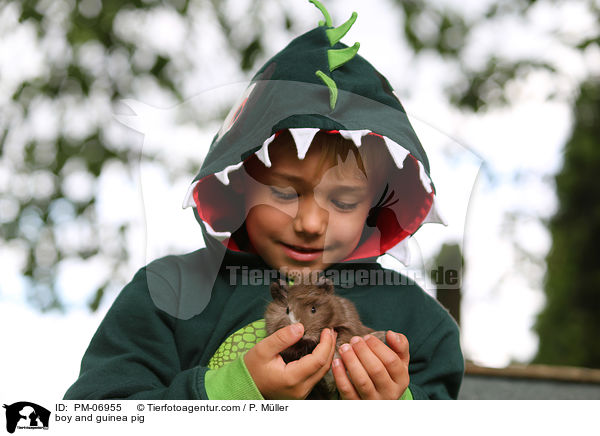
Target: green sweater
157,339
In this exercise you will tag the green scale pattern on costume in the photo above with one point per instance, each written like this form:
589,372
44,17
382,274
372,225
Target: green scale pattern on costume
238,343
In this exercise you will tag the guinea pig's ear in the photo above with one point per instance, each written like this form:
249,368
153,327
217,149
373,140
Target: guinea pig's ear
325,284
279,290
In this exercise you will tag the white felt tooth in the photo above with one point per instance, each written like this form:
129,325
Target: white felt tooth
188,200
220,236
425,180
263,153
397,152
303,138
401,252
354,135
223,175
434,215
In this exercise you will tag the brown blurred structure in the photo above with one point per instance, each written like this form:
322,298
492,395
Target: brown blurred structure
446,274
530,382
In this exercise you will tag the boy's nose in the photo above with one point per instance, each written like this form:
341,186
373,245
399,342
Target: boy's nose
311,218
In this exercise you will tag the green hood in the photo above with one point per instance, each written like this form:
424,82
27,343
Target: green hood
315,84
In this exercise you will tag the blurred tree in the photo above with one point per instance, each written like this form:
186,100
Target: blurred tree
92,53
569,324
446,275
447,31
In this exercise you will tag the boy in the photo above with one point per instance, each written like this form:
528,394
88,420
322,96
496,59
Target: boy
307,176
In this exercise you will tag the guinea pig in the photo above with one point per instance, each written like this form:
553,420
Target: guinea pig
316,307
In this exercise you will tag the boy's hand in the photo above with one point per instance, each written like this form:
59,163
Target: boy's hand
377,372
276,380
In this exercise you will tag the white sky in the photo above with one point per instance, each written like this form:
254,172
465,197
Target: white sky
527,137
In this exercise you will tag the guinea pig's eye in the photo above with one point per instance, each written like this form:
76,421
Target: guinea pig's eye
313,309
287,310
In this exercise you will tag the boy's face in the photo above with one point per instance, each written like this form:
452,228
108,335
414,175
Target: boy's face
306,213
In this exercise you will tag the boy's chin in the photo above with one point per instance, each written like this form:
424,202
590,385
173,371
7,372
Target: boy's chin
300,268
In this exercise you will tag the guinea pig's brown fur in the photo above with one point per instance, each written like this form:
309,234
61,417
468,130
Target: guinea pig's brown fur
316,307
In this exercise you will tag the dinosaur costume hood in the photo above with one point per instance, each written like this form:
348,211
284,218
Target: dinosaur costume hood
317,84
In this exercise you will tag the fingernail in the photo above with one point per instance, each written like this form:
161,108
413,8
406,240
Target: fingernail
337,362
355,339
365,337
344,348
297,328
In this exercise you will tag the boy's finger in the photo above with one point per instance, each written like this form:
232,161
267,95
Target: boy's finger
314,378
360,378
372,363
399,343
393,360
396,368
280,340
343,383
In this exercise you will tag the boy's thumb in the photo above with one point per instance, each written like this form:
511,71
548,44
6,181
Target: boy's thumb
285,337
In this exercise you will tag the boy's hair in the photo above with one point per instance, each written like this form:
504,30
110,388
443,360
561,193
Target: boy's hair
335,150
339,153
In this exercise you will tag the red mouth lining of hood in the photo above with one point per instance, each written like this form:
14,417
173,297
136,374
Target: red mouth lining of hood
219,206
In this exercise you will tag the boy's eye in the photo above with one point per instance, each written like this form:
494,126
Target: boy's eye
343,205
313,310
283,195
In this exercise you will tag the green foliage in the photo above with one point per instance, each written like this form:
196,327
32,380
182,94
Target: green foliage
250,53
484,86
439,29
67,82
247,52
451,33
569,324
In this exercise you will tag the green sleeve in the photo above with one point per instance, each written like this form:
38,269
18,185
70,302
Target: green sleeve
231,382
436,364
407,395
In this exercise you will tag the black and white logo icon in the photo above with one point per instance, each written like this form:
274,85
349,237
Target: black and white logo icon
26,415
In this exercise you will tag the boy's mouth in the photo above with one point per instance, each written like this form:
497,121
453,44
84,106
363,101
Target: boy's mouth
302,253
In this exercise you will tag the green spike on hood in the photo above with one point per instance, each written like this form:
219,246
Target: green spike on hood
339,57
333,91
337,33
320,6
335,57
